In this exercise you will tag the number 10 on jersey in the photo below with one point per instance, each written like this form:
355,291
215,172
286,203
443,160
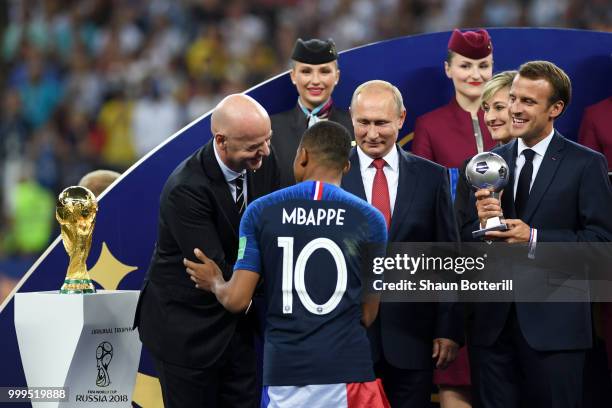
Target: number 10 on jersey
297,275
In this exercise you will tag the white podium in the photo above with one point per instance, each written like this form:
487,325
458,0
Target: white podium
82,342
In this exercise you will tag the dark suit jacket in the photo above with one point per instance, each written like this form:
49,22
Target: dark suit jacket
570,201
287,130
178,323
446,135
403,332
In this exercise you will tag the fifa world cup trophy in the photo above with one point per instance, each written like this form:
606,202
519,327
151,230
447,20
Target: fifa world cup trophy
490,171
76,213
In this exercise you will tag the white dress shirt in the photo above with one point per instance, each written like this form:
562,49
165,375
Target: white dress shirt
391,169
230,175
539,149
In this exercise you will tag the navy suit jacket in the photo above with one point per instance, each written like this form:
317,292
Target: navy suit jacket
403,332
570,201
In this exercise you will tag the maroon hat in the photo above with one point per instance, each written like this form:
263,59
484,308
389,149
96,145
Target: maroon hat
471,44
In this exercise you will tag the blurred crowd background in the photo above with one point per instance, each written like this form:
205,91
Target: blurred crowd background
88,84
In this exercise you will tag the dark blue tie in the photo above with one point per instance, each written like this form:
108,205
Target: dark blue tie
524,181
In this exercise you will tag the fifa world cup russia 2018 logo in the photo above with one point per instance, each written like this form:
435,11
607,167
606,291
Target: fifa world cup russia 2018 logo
104,355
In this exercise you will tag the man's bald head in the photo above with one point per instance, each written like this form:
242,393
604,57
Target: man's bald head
242,130
238,112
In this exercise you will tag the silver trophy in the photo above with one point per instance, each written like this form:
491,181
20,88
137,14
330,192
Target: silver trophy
489,171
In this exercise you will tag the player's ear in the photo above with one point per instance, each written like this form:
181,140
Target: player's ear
301,158
304,157
346,168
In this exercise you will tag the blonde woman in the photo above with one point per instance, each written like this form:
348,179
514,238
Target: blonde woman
495,103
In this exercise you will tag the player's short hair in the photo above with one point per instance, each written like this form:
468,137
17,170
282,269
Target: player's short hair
329,143
498,81
555,76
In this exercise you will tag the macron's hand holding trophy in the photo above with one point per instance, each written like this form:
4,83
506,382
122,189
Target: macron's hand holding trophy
488,171
76,212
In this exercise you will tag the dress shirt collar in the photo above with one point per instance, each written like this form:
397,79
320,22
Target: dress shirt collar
540,148
229,174
391,158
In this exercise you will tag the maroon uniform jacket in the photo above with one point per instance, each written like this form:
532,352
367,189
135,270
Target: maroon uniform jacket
596,129
446,135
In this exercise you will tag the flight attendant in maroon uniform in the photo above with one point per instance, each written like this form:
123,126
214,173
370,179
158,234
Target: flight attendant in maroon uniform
448,136
454,132
596,129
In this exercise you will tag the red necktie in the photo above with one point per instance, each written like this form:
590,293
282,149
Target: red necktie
380,191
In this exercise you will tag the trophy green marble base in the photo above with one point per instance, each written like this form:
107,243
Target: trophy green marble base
77,286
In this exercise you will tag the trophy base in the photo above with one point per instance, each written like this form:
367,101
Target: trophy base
481,232
77,287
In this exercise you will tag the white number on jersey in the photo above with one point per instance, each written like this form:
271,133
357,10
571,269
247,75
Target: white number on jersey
300,271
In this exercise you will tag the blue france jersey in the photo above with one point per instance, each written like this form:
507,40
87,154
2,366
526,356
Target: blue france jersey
307,243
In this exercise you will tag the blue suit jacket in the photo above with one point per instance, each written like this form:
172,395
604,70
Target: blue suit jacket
403,332
570,201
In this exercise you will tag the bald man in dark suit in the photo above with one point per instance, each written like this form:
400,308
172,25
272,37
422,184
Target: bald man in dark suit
204,355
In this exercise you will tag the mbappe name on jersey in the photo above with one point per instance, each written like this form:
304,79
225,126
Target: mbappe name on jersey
314,216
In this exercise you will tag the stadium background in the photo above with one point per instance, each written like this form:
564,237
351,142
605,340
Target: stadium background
81,81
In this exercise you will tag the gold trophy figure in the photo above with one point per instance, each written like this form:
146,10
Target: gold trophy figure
76,213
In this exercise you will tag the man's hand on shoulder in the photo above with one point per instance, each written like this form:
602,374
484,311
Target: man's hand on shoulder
235,294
